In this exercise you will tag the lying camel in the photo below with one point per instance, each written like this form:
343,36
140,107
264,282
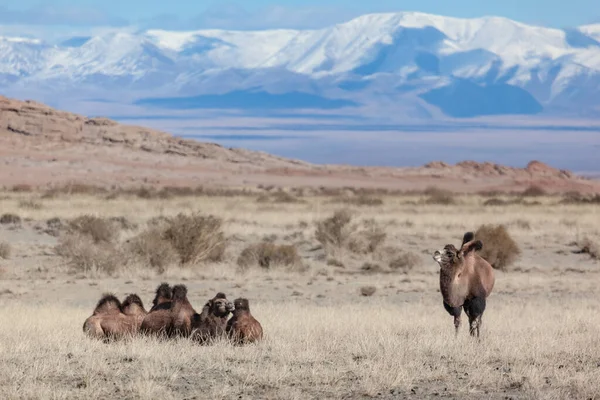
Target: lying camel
211,323
243,328
466,280
171,314
111,319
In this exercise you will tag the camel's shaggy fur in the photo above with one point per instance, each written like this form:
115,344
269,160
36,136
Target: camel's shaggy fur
466,280
164,294
243,328
211,323
158,320
169,317
111,319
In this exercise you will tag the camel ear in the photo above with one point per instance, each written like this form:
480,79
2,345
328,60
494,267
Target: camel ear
467,238
473,245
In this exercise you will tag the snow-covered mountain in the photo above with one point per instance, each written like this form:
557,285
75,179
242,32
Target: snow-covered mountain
429,65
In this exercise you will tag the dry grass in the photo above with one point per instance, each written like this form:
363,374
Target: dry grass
499,248
370,347
5,250
270,255
196,238
324,338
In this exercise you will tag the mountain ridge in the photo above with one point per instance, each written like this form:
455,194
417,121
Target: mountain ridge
402,56
41,147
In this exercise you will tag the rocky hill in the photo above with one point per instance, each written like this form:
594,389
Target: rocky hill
41,146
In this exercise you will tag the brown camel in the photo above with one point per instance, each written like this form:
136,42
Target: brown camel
111,319
158,320
169,317
466,280
211,323
243,328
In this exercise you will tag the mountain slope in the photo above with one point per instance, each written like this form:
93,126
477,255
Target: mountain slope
550,70
42,146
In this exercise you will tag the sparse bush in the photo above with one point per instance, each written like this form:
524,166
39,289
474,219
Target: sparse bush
338,231
30,204
153,249
269,255
368,290
589,246
499,248
8,218
360,200
397,259
534,191
578,198
439,196
196,238
367,240
5,250
86,255
54,226
496,202
371,267
335,230
335,263
22,188
99,229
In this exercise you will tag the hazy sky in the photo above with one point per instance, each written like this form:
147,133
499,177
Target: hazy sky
260,14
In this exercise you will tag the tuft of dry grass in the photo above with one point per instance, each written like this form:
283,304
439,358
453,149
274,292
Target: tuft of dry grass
5,250
439,196
196,238
368,290
30,204
86,255
100,230
589,246
361,200
534,191
269,255
10,218
499,248
335,230
151,247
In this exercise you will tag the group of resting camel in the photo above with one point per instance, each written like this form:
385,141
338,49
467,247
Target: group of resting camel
173,316
466,280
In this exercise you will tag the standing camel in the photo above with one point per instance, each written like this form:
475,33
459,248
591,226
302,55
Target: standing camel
466,280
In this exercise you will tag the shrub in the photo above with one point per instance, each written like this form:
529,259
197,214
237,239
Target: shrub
404,261
439,196
367,240
534,191
5,250
86,255
368,290
360,200
30,204
499,248
153,249
10,219
589,246
269,255
99,229
196,238
335,230
22,188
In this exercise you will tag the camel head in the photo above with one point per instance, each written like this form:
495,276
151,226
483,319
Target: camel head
179,292
132,305
241,304
220,306
453,258
164,294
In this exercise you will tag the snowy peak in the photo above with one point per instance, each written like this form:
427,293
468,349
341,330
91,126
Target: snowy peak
403,56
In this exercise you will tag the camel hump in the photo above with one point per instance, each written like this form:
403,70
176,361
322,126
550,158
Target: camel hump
132,299
179,292
108,302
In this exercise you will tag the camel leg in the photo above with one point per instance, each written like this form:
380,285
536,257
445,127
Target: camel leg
474,309
455,312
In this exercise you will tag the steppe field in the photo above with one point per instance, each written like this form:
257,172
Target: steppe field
342,281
